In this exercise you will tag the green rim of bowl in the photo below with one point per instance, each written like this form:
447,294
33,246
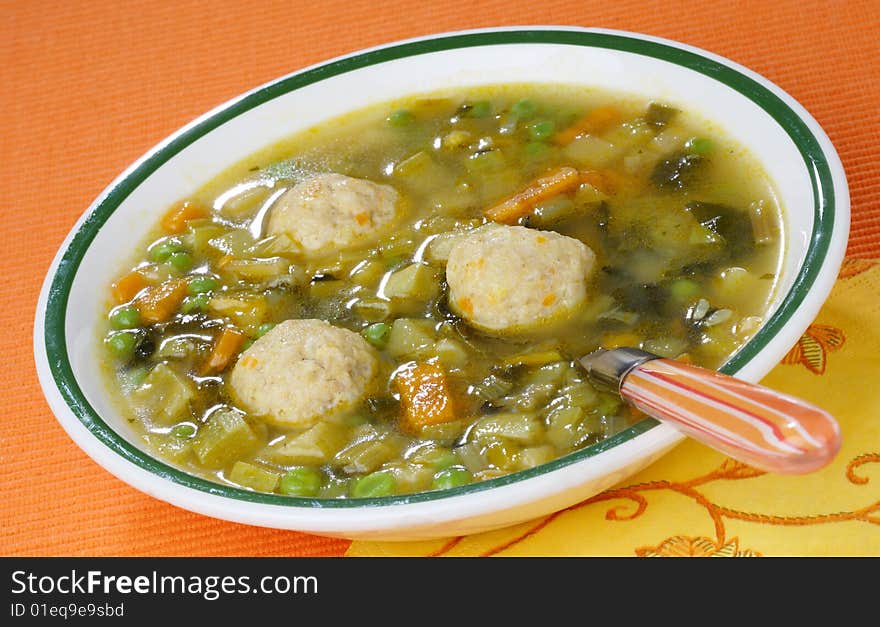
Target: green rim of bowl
773,105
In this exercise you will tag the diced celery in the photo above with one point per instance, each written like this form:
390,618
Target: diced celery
451,353
524,427
532,397
365,456
169,447
491,388
200,233
164,395
608,405
502,454
437,457
326,288
252,476
313,447
176,348
765,227
565,427
281,244
256,269
246,311
591,151
245,203
225,437
335,488
734,286
487,161
552,211
553,372
580,394
535,456
533,359
410,477
453,197
234,242
666,346
438,248
157,272
368,273
416,281
471,456
443,431
372,309
414,164
397,246
410,337
587,195
455,139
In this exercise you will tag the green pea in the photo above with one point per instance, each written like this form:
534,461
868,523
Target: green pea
263,329
163,250
184,430
401,117
452,477
480,109
125,317
194,304
181,261
122,344
699,145
247,344
377,334
541,130
379,483
301,481
201,285
684,290
524,109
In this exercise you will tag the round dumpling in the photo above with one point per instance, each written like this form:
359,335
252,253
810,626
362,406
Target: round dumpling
331,211
512,278
303,370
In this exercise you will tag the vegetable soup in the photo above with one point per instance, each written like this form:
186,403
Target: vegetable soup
395,301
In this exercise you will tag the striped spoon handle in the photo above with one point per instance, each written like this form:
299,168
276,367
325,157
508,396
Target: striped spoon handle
754,424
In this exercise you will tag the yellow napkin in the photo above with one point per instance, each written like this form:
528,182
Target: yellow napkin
697,502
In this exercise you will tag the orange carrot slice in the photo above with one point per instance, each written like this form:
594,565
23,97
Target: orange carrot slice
595,121
424,396
225,348
160,302
129,286
175,220
560,181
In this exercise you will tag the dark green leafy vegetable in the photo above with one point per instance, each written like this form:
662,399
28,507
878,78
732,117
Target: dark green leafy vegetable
659,115
677,171
733,225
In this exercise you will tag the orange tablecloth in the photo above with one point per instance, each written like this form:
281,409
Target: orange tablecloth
89,86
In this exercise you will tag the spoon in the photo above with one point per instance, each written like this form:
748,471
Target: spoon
766,429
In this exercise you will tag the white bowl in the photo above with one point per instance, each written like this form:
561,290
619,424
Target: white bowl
789,143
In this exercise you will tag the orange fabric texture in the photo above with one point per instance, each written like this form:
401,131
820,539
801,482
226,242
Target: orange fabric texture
89,86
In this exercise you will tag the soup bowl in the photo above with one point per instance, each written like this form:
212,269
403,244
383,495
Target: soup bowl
790,145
